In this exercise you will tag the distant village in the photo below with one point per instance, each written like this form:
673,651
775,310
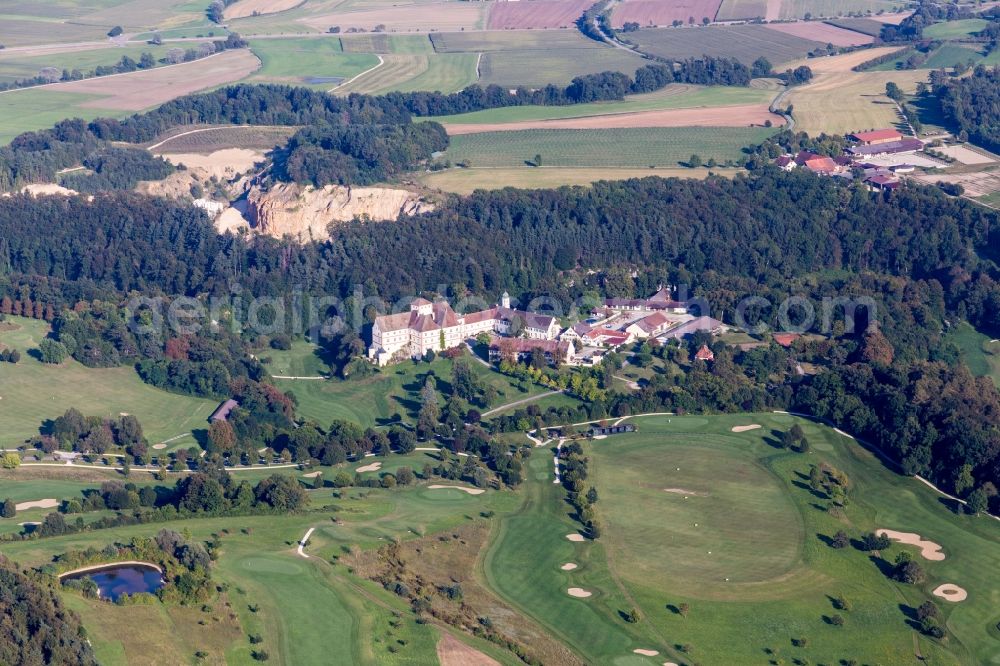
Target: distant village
882,155
517,334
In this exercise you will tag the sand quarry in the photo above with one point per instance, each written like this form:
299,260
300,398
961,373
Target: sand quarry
722,116
38,504
928,549
950,592
471,491
576,537
372,467
745,428
578,592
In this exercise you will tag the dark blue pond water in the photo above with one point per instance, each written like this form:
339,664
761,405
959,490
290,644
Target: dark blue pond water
115,580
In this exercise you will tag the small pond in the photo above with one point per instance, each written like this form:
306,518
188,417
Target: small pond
114,580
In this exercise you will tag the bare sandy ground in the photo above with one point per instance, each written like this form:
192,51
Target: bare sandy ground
576,537
140,90
311,475
245,8
740,115
231,219
471,491
843,63
45,189
897,18
928,549
373,467
745,428
453,652
950,592
965,155
38,504
222,163
646,653
578,592
569,566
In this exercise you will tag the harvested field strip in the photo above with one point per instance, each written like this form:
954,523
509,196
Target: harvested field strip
427,17
536,69
245,8
865,26
726,116
445,73
674,96
467,181
657,12
822,32
634,147
141,90
372,43
209,140
797,9
394,71
746,43
739,10
537,14
506,40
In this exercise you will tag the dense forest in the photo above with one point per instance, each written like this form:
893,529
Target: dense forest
972,105
36,628
921,257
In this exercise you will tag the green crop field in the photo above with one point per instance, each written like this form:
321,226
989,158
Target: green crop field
741,10
537,68
445,73
791,9
639,147
719,505
38,108
746,43
316,62
954,29
674,96
14,66
865,26
31,392
395,390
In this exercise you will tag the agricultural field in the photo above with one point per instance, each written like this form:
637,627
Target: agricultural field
637,148
399,72
38,108
319,62
205,140
535,14
18,65
746,43
424,17
519,40
467,181
732,541
823,33
742,10
657,13
954,29
244,8
383,43
535,69
32,391
797,9
866,26
673,96
838,100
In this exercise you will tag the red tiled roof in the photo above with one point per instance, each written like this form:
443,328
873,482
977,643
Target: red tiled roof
705,354
785,339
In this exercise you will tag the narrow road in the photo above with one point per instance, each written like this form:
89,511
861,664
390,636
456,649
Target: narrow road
519,402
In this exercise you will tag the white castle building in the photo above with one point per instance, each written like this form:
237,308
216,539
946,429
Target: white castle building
436,327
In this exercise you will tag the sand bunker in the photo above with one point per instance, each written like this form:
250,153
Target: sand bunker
471,491
928,549
950,592
646,653
160,446
311,475
682,491
38,504
576,537
373,467
578,592
569,566
752,426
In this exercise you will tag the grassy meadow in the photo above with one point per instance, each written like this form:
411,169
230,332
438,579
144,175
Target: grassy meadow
739,508
636,147
32,392
467,181
315,62
979,351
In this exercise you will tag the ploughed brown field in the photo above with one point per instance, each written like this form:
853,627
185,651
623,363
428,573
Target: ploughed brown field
823,32
664,12
245,8
724,116
536,14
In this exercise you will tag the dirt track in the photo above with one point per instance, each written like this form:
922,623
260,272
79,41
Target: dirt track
723,116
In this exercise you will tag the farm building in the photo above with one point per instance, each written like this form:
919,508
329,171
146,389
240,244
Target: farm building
875,137
650,325
884,183
222,413
611,430
707,324
704,354
905,145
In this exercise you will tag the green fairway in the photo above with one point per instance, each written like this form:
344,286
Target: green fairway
675,96
395,390
638,147
33,391
979,351
739,508
314,62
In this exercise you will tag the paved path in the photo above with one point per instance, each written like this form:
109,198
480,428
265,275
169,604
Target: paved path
305,540
519,402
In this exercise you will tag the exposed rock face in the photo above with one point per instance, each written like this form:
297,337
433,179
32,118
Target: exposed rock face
307,212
